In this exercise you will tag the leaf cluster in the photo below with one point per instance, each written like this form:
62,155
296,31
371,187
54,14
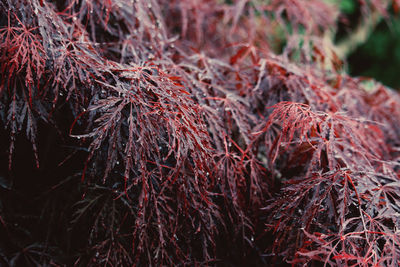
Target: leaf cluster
192,133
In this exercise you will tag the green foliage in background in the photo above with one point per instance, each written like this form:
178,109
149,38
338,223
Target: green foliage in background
379,56
348,6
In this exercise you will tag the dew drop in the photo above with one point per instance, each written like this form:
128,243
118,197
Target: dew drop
207,174
252,239
117,162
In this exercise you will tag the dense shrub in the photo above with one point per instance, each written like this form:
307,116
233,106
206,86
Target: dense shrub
163,132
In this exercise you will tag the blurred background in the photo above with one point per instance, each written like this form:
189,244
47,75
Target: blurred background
379,56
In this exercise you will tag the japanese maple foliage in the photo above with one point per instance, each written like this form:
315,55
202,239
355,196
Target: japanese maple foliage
192,133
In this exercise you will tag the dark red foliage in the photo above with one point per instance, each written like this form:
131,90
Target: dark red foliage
192,133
